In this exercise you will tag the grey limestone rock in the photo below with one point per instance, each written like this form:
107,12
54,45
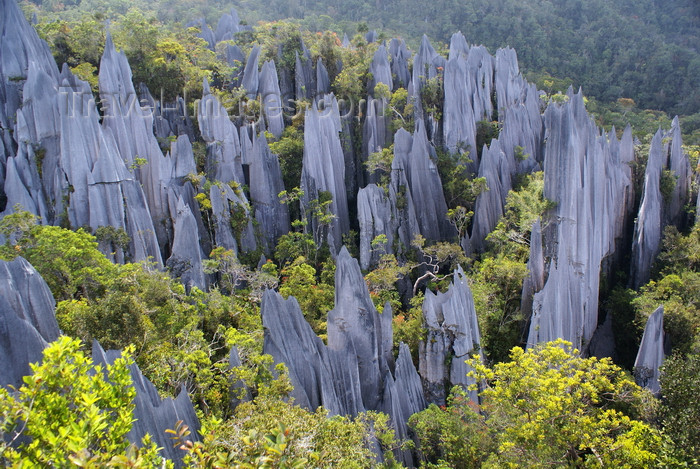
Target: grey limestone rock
380,69
236,59
228,26
323,81
354,323
489,205
225,202
413,160
509,83
458,46
679,166
271,95
27,320
323,170
169,118
185,261
250,73
423,67
221,136
603,342
153,415
132,129
588,180
265,185
651,354
355,371
399,63
534,281
83,174
290,340
304,77
19,45
459,125
376,130
648,228
346,42
453,337
374,214
205,33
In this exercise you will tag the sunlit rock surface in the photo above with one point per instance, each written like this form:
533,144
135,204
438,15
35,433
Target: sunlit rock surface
651,354
667,163
265,186
271,95
356,370
323,170
375,219
588,180
414,172
453,337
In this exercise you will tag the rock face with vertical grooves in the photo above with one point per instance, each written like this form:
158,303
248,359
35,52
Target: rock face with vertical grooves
453,336
399,63
19,45
304,77
265,185
488,209
185,261
27,320
169,119
228,26
375,218
423,67
132,129
380,69
588,180
414,161
651,354
647,230
534,281
355,324
221,136
250,73
269,90
84,180
356,371
666,160
376,130
153,415
323,81
323,169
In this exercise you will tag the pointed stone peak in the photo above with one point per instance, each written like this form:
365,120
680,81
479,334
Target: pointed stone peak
205,87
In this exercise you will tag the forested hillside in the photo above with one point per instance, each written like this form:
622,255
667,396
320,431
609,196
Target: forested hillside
326,251
645,50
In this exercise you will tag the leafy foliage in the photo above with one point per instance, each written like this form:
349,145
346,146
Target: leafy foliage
69,261
452,436
680,411
549,406
676,287
71,413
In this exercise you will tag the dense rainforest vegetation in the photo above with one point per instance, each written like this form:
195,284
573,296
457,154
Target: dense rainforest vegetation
549,405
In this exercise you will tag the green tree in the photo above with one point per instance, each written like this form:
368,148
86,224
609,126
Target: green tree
497,289
315,296
68,261
549,407
71,413
452,436
680,410
524,205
